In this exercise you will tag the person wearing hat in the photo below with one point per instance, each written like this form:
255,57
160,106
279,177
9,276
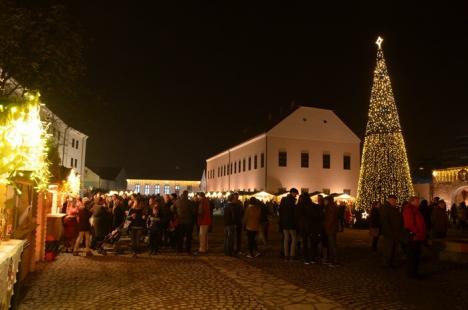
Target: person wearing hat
392,224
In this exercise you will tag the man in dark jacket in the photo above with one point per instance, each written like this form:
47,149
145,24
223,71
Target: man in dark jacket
287,218
309,222
238,212
392,225
230,227
185,213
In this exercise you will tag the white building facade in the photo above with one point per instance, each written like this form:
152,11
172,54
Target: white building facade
70,142
311,149
162,186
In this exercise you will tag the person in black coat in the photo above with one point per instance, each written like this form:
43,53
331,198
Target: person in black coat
392,224
287,220
309,222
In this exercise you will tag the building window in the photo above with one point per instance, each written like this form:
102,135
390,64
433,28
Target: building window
250,163
239,166
137,188
146,189
347,191
231,168
255,161
326,160
76,144
235,167
243,165
326,191
304,160
262,160
224,170
71,162
347,162
282,159
76,163
167,190
73,143
177,188
157,189
218,172
305,190
58,135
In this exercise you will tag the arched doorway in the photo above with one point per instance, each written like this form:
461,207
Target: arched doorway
460,194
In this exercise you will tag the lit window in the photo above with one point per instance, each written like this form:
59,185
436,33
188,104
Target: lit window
157,189
262,160
282,159
326,160
255,161
347,162
137,188
167,189
177,188
146,189
304,160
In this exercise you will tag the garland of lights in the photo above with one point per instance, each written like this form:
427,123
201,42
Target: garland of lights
384,166
23,142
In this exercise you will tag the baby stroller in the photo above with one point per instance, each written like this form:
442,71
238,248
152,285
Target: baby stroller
112,238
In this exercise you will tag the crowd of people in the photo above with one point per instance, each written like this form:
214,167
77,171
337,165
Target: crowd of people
407,229
308,229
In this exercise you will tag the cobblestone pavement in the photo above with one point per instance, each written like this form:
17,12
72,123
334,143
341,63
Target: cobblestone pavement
170,281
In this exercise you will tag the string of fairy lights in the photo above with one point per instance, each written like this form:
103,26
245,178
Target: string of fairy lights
23,141
384,165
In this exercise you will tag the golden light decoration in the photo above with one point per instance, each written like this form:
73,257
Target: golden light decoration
384,166
23,140
73,183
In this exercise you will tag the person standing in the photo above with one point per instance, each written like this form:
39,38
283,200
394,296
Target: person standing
287,220
414,222
230,234
330,224
252,226
84,228
204,222
154,226
341,215
137,225
374,225
392,225
304,224
440,221
185,214
238,212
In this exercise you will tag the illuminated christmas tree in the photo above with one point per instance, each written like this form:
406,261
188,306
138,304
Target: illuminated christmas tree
384,166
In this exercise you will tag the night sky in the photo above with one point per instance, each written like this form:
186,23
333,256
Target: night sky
170,85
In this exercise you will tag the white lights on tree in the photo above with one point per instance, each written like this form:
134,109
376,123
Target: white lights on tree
384,166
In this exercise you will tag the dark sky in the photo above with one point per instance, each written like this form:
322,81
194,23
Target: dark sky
178,83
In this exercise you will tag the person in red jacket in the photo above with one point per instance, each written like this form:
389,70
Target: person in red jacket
204,221
413,221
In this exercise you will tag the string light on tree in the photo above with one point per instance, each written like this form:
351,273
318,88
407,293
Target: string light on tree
384,166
